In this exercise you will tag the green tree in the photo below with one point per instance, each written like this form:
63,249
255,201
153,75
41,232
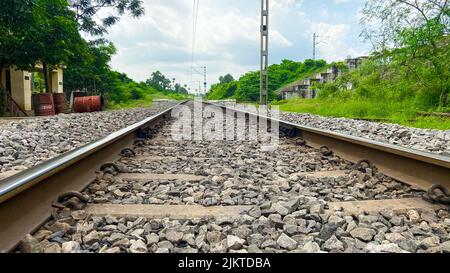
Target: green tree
87,13
383,21
413,34
56,36
248,85
226,79
179,89
159,81
15,22
91,71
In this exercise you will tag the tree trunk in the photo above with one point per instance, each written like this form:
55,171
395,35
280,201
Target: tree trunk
2,93
45,71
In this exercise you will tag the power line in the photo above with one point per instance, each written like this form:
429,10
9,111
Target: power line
195,9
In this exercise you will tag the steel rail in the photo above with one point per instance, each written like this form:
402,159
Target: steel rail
419,169
26,198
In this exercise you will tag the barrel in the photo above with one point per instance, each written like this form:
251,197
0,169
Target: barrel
60,101
43,104
87,104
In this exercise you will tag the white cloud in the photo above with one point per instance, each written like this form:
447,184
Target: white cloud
227,39
333,41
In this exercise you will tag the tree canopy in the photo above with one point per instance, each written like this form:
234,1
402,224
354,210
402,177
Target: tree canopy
87,13
248,85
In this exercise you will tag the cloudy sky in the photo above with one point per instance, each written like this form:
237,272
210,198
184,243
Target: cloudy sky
227,39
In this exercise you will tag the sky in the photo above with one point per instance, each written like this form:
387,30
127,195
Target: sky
228,39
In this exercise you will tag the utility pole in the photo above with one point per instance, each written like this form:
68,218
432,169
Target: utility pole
264,81
204,78
315,43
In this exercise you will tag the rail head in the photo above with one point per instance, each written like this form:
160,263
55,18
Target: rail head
13,185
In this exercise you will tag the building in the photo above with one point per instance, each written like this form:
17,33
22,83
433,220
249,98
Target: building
305,88
355,63
20,87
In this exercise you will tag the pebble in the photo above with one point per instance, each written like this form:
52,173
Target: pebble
138,246
384,248
234,242
287,242
71,247
174,236
364,234
333,244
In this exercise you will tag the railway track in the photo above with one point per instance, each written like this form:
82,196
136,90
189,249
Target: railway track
317,192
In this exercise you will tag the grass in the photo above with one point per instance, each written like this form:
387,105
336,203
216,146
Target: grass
144,103
391,112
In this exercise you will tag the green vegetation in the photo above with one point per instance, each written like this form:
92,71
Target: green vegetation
48,32
247,87
395,83
389,112
408,72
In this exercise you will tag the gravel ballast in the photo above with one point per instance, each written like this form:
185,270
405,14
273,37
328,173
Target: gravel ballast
28,142
288,205
427,140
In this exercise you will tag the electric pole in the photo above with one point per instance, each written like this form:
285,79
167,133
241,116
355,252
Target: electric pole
315,43
204,78
264,81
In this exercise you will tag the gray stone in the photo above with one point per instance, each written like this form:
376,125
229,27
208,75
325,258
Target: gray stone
269,244
445,247
336,220
316,209
214,237
234,243
79,215
394,237
255,239
276,221
71,247
291,230
280,209
408,245
165,245
91,238
174,236
255,212
113,250
287,242
138,246
311,247
28,244
333,244
152,239
364,234
398,220
327,231
429,242
384,248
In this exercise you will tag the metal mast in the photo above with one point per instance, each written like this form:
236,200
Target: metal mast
264,89
315,43
204,80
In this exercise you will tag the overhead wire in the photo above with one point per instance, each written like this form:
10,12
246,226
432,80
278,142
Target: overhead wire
194,34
